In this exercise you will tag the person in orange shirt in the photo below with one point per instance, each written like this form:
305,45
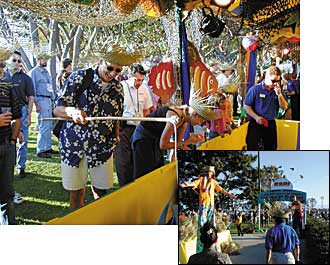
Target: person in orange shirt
206,185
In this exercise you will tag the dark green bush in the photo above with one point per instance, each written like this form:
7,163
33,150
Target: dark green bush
317,239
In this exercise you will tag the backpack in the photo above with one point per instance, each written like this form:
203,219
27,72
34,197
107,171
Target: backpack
87,81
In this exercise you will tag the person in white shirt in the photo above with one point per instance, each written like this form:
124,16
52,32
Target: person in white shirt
137,103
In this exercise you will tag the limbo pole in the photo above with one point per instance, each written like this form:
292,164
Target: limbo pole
173,120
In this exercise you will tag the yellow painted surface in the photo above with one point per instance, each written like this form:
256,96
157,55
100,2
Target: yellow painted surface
287,137
287,33
140,202
233,141
188,248
287,134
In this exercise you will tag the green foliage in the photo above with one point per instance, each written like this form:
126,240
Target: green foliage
317,237
236,171
269,174
249,229
229,247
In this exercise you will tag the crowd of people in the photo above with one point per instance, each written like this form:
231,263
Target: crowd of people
91,147
284,223
87,147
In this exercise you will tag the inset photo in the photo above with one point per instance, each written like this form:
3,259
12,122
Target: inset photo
250,207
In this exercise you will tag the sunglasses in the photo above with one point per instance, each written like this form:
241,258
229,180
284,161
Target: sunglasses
16,60
276,81
110,68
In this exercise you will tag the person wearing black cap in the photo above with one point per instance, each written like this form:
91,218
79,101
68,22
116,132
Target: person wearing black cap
64,74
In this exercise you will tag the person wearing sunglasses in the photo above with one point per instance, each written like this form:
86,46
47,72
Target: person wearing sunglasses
64,73
87,147
137,103
262,104
25,94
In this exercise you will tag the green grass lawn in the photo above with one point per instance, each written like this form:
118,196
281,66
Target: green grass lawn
233,227
42,190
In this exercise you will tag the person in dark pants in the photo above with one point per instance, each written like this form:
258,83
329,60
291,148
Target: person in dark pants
137,103
293,87
10,123
150,138
262,103
238,222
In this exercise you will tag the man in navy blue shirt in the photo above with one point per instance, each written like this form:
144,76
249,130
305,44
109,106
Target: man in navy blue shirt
25,94
281,241
262,103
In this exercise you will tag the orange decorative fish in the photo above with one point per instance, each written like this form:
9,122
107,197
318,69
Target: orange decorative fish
162,81
202,78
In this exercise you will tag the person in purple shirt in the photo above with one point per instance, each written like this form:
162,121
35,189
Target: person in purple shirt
281,240
262,103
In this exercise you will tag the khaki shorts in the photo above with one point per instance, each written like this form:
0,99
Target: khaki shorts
75,178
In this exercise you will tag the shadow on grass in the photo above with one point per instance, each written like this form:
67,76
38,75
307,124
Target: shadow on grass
32,212
45,198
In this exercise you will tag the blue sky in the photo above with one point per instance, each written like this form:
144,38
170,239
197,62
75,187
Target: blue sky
313,165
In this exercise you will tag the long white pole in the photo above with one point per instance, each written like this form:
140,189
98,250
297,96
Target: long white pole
173,120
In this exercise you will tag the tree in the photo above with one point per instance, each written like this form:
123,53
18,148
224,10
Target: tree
235,174
268,174
78,42
311,202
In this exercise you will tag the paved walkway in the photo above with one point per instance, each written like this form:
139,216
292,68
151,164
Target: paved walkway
252,249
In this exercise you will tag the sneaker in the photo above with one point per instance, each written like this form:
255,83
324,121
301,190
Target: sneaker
21,173
44,155
51,151
17,198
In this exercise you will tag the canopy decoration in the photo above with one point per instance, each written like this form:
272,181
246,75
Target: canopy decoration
92,12
268,16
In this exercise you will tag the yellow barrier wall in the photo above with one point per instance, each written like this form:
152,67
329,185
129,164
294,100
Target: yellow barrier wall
233,141
287,134
287,138
186,249
140,202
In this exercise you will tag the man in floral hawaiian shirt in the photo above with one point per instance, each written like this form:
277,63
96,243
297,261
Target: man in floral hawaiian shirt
88,146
